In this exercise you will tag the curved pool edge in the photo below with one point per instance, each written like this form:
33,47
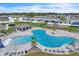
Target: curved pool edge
46,37
62,48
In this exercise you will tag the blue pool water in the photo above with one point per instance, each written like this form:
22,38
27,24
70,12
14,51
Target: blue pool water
51,41
44,39
20,40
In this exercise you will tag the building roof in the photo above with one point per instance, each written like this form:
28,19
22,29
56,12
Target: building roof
4,18
75,23
43,19
34,49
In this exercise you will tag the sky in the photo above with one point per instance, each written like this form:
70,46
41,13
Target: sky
39,7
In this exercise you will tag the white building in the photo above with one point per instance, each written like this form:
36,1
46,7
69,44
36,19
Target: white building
49,20
40,19
4,22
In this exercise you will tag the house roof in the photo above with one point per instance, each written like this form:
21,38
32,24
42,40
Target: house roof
4,18
34,49
75,23
43,19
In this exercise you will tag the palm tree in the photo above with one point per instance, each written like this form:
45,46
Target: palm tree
33,41
63,19
54,27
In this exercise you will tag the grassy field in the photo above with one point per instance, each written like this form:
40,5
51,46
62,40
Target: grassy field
72,29
42,24
47,54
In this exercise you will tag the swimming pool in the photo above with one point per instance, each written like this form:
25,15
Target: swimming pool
51,41
44,39
20,40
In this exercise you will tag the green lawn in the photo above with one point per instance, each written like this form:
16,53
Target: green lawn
47,54
41,24
72,29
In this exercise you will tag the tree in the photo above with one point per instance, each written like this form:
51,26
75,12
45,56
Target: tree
33,41
63,19
54,27
3,31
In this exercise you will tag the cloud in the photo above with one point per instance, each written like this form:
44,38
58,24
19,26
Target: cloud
59,8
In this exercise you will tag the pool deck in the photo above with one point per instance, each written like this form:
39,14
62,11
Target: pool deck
28,32
60,33
61,48
63,33
10,49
